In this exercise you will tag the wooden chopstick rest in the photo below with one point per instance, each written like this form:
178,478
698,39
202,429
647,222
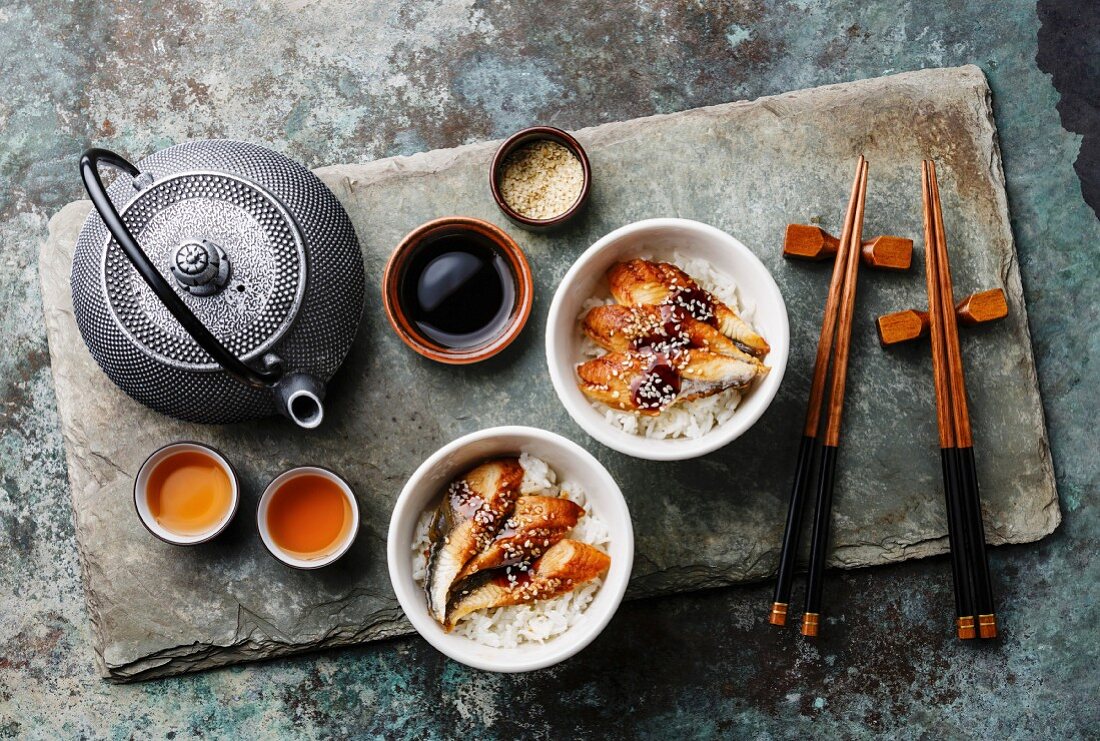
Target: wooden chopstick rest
911,324
982,307
807,242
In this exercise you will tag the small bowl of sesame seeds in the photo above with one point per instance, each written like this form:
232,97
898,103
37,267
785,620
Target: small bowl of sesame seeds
540,178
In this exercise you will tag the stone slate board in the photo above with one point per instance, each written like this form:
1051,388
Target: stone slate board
748,168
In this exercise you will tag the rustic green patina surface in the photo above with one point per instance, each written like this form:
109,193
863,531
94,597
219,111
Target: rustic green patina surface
335,82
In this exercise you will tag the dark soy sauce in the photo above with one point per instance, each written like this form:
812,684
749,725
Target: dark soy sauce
458,290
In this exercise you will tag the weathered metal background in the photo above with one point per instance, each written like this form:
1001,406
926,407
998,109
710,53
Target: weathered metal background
344,81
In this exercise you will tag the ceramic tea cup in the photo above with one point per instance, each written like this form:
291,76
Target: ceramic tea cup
186,493
308,517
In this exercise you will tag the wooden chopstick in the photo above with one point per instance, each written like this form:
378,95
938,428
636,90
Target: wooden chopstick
956,521
789,550
964,441
827,468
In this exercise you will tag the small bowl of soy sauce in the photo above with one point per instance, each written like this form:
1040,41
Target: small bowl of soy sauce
457,290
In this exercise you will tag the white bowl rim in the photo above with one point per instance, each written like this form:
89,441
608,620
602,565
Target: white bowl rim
410,596
672,449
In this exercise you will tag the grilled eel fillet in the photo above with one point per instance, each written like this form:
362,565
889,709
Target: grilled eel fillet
662,327
536,524
649,383
465,522
563,568
638,282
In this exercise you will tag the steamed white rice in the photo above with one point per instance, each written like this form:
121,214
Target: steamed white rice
539,621
690,419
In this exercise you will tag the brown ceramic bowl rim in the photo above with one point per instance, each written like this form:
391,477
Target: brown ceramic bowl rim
357,515
405,329
522,137
232,474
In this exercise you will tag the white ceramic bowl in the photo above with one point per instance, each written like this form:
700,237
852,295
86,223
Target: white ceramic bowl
337,550
571,462
659,238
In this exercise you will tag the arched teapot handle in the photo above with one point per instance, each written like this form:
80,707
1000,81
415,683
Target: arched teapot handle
89,172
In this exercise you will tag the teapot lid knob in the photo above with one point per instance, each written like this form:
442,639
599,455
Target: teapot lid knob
200,267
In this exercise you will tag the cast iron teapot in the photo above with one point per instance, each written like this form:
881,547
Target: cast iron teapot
244,295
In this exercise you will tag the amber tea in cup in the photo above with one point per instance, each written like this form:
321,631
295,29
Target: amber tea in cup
308,517
186,493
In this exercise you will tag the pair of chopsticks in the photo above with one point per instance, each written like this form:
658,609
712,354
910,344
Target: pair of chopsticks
966,535
835,325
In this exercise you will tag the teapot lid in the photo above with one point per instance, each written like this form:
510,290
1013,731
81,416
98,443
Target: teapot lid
229,248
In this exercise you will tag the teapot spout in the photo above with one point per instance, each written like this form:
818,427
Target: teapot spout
298,396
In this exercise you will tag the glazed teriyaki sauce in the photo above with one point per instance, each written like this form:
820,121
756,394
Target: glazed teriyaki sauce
696,302
458,290
665,334
658,387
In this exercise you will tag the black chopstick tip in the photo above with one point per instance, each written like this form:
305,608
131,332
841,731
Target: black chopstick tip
965,627
809,624
987,626
778,615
